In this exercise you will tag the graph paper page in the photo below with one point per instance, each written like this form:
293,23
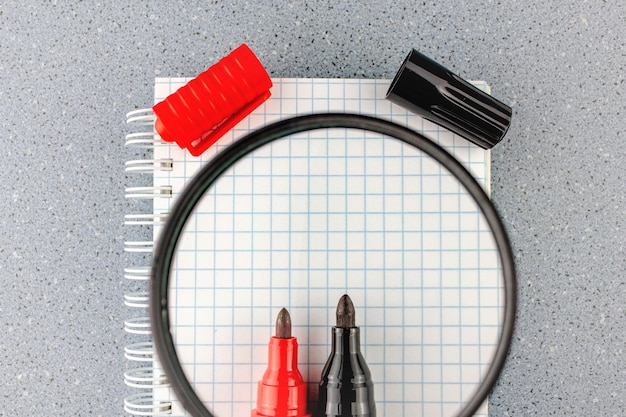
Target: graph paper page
307,219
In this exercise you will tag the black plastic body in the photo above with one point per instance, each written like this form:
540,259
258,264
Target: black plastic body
346,388
428,89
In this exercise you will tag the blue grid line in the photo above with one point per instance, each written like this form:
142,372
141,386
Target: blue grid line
421,180
402,263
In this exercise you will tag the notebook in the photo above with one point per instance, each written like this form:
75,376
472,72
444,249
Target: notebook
297,225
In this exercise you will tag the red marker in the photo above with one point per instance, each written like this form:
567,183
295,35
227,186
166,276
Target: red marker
282,391
204,109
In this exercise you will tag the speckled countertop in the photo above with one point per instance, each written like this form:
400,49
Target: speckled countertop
70,70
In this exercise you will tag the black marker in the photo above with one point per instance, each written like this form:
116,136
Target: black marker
346,387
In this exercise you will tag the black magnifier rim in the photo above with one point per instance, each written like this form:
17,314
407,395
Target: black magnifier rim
193,192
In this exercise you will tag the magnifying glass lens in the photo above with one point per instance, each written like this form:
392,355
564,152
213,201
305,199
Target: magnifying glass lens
310,216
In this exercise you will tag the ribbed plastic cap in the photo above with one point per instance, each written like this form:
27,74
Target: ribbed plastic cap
428,89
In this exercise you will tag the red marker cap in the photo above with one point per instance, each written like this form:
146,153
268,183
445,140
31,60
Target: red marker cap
203,110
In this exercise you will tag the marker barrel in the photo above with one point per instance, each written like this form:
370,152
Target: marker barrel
346,388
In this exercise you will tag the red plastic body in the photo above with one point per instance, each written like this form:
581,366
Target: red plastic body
204,109
282,392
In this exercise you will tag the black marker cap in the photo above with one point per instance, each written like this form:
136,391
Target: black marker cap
428,89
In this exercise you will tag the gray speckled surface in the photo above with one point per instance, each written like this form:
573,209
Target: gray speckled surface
70,70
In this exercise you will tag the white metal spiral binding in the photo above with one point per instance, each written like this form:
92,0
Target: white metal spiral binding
160,191
139,273
143,140
138,299
139,352
149,165
149,219
144,404
140,117
148,376
140,246
138,325
145,377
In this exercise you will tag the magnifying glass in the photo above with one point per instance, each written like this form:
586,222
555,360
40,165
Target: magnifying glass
304,210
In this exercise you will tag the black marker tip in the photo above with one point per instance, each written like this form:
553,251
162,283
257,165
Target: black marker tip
345,312
346,388
283,324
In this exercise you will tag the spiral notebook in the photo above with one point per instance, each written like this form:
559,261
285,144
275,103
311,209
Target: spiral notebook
427,341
